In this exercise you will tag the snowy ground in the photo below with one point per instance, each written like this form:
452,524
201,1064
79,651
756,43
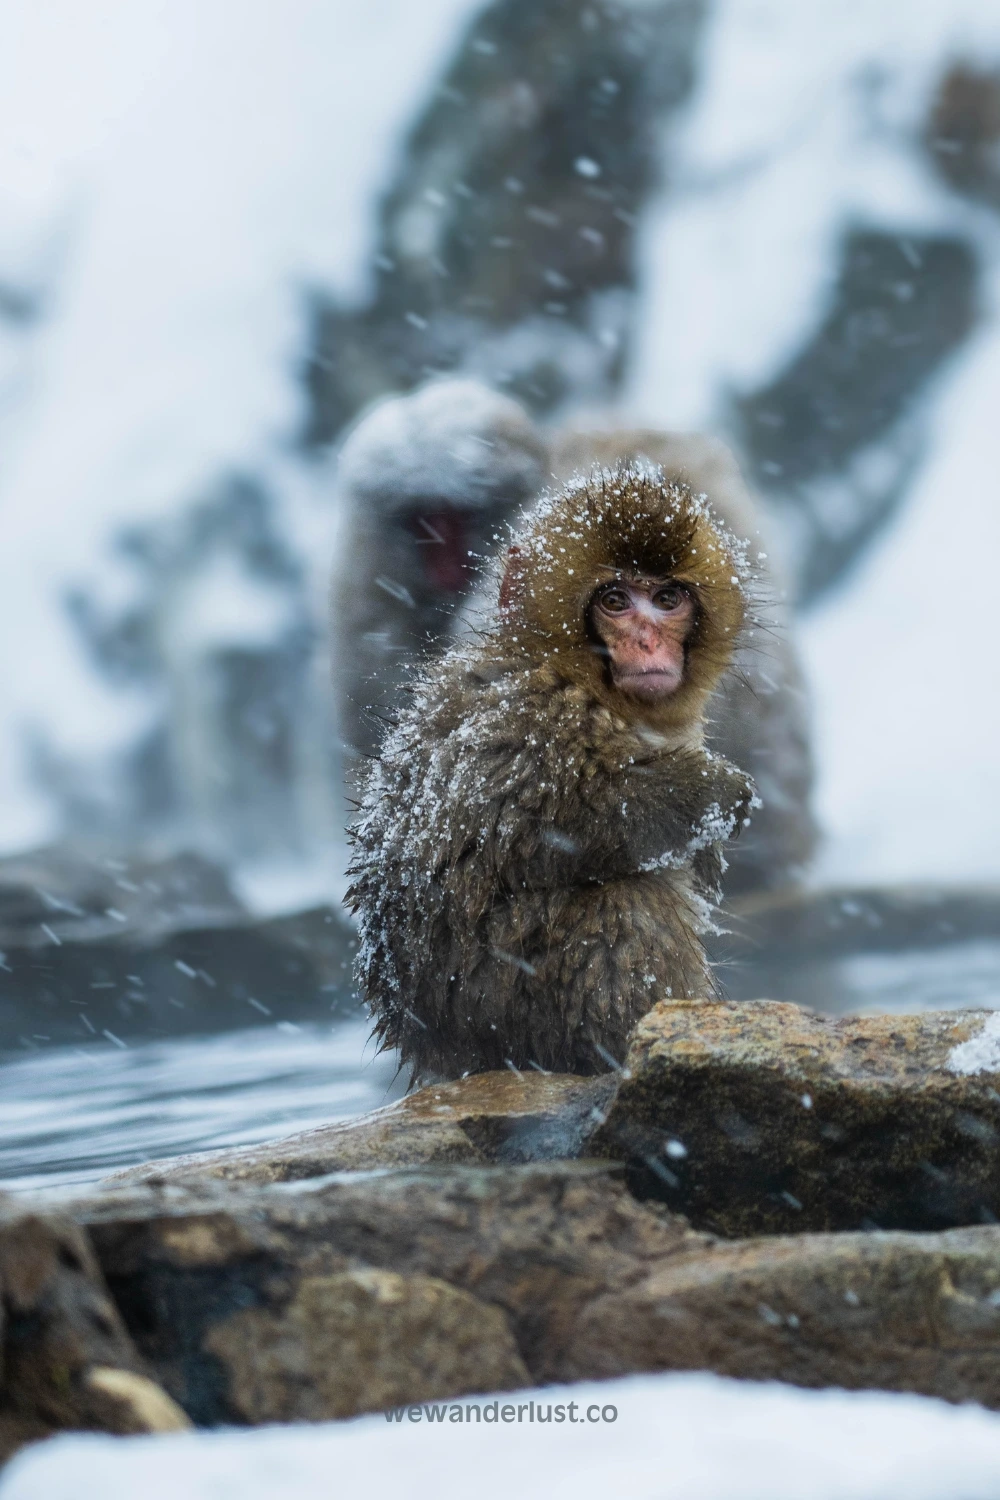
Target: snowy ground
688,1437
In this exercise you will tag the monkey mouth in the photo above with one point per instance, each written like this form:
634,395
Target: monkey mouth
655,683
442,538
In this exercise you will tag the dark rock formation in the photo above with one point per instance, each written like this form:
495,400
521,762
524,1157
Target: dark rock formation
764,1118
233,1292
848,920
893,948
181,956
69,895
834,439
206,979
142,948
66,1360
506,238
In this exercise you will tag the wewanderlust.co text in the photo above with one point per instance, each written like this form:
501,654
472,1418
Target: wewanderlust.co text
493,1411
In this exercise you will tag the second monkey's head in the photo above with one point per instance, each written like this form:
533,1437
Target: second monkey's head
625,584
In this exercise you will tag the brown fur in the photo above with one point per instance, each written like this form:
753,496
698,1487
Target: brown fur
536,854
758,715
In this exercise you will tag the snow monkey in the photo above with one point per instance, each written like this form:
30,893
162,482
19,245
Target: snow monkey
426,483
538,846
429,477
758,716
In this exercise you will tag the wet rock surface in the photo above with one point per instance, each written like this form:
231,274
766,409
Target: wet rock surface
66,1359
765,1118
893,1311
748,1117
533,1241
492,1117
97,944
232,1291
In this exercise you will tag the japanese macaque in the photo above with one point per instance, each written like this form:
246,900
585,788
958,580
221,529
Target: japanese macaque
757,716
426,482
456,460
539,846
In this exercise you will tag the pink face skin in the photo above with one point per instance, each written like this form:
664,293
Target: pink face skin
643,624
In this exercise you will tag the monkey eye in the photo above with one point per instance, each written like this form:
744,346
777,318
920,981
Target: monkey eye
669,596
614,600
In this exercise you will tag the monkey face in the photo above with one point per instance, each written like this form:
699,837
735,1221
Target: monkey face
578,590
449,541
642,625
441,537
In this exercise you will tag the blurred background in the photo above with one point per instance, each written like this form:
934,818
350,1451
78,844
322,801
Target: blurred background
224,231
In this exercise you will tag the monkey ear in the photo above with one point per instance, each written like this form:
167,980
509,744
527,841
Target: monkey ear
513,584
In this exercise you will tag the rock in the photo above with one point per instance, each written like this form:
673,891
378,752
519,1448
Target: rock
935,944
234,1291
74,978
363,1341
748,1117
68,894
835,437
491,1117
505,244
764,1118
897,1311
533,1241
843,921
66,1359
200,965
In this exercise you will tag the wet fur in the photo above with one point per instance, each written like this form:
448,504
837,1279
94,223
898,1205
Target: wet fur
536,855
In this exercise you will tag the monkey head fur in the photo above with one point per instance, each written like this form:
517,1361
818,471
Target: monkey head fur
452,442
537,853
618,523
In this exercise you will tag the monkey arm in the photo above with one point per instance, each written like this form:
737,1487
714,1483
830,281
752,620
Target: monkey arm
668,812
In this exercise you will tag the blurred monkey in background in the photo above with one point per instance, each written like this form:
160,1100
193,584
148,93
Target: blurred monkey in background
427,483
